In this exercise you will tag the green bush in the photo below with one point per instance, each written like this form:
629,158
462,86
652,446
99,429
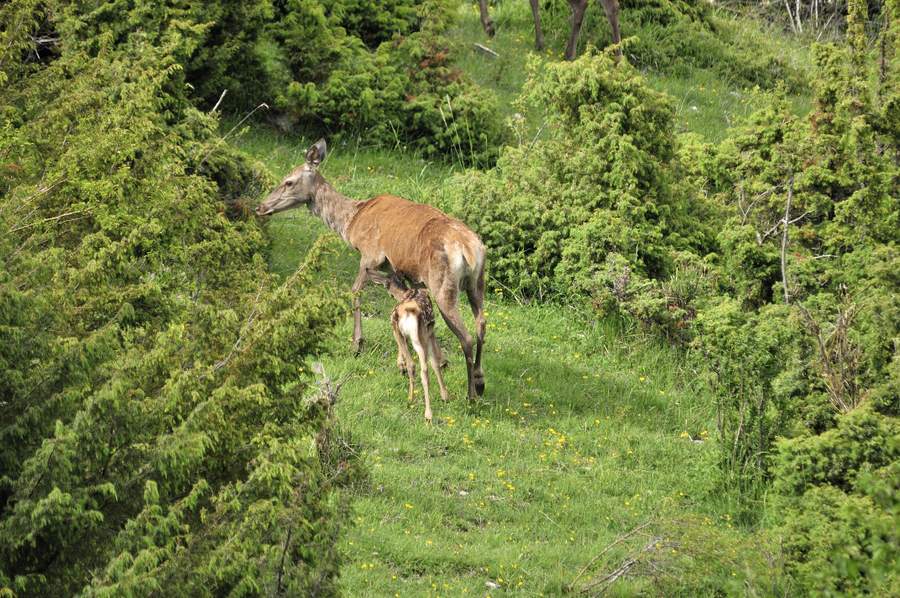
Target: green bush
803,341
602,179
838,495
375,22
406,92
381,71
678,37
154,436
862,441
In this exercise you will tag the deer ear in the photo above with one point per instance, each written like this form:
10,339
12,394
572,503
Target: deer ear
316,152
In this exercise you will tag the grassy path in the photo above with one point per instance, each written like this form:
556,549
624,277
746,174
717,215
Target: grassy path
582,434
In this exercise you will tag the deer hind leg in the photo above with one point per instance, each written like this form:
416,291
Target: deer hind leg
611,8
447,304
401,363
578,8
403,350
486,22
422,353
475,292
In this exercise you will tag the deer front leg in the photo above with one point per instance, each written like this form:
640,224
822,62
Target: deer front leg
538,33
423,372
361,277
403,351
578,9
486,21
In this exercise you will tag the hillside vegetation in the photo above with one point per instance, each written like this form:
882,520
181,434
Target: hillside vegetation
693,381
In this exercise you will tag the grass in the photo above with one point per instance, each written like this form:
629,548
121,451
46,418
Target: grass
706,102
585,431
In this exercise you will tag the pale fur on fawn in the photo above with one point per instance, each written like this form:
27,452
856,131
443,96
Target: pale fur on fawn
413,321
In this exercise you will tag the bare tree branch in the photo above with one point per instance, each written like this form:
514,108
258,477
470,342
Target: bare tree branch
784,239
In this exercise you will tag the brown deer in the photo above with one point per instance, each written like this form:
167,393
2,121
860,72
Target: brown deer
579,7
394,235
610,7
413,321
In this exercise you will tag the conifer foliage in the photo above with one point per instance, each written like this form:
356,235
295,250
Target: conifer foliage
154,434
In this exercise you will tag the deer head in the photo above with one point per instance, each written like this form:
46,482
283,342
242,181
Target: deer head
299,187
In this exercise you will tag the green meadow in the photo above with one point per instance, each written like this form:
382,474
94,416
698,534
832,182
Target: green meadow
587,429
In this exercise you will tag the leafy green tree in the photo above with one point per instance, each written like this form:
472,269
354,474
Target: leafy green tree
154,431
597,204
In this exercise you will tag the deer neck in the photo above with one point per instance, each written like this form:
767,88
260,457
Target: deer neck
335,209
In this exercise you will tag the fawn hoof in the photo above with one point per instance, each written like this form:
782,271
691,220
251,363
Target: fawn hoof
479,387
356,346
428,417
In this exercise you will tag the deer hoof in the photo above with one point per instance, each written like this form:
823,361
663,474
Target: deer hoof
428,417
479,387
356,346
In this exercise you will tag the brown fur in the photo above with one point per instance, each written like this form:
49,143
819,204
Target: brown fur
417,303
393,234
414,239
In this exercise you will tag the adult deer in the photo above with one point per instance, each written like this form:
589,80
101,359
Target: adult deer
579,7
610,7
395,235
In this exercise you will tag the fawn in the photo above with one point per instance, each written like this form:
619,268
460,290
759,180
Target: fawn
413,320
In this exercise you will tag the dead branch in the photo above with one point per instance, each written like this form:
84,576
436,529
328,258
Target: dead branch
602,584
784,239
328,389
222,139
219,101
837,359
485,50
248,325
51,219
615,542
279,588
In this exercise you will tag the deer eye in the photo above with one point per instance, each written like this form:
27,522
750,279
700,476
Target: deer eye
288,183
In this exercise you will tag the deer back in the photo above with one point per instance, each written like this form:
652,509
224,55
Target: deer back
415,238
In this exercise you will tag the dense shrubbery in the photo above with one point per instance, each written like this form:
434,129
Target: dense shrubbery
383,71
406,92
597,198
802,331
773,255
677,37
153,433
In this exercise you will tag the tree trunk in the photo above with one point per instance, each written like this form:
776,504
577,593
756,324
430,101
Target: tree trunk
611,8
538,33
578,8
486,21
